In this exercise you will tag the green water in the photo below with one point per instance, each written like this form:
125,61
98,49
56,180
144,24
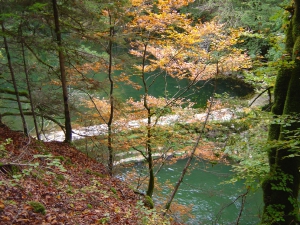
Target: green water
166,86
203,189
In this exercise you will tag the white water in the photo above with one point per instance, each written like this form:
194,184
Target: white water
225,114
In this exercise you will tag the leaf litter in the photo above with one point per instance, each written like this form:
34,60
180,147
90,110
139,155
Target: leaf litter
67,189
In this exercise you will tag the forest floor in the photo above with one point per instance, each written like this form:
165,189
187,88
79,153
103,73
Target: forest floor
53,183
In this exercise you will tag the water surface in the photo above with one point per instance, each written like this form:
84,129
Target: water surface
213,203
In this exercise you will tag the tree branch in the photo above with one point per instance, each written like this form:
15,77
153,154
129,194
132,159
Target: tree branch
267,89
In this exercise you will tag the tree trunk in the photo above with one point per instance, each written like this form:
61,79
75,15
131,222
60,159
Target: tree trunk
281,186
29,92
13,78
150,158
63,76
151,182
111,99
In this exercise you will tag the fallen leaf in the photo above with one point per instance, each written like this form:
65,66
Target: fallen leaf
2,206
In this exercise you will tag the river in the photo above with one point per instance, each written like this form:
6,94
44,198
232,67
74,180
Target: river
172,87
212,202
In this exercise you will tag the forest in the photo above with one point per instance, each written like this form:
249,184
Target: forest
110,110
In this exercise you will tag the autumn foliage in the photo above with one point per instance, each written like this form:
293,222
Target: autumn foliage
156,40
183,48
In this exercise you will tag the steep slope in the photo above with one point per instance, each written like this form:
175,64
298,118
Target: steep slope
72,188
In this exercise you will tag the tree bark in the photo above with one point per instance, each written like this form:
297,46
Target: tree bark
281,186
150,160
63,76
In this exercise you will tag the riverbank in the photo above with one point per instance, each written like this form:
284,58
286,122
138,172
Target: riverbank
225,114
205,151
209,150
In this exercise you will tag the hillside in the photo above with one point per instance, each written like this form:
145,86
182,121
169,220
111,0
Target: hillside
72,188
